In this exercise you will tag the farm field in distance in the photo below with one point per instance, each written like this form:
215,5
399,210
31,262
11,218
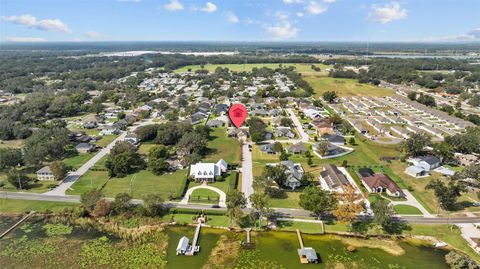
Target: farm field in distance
344,86
300,67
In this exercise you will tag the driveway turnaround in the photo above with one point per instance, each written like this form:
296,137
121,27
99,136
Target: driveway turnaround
221,200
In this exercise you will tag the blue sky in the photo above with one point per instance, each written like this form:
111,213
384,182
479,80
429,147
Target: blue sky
239,20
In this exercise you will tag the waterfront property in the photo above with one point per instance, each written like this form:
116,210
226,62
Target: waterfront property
379,183
332,179
45,174
208,171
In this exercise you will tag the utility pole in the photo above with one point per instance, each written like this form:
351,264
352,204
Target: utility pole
18,178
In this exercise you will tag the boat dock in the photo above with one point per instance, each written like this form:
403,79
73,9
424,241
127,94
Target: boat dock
300,240
248,244
16,224
306,254
194,248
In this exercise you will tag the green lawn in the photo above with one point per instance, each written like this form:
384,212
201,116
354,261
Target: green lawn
138,184
304,227
19,206
223,147
291,201
77,161
407,210
343,86
105,140
144,148
11,143
302,68
204,196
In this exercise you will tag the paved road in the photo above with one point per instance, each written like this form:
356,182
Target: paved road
74,176
281,212
247,174
304,136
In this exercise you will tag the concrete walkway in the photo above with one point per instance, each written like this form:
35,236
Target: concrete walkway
411,201
469,231
221,200
247,173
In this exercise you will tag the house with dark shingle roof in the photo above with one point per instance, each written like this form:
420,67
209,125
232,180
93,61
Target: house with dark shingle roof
379,183
333,178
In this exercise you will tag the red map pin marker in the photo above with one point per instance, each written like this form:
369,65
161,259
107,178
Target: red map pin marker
238,114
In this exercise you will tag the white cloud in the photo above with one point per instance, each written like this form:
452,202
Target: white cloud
299,14
32,22
93,35
131,1
174,5
329,1
315,8
208,8
282,30
387,13
293,1
232,18
24,39
282,15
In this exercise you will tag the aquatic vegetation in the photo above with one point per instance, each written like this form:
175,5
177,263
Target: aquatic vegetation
224,253
250,259
57,229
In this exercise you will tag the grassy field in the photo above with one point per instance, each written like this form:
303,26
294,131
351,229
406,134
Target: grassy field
223,147
19,206
344,87
144,148
302,68
141,183
407,210
304,227
76,161
11,143
105,140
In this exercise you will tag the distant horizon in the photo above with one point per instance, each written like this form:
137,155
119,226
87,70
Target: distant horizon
246,20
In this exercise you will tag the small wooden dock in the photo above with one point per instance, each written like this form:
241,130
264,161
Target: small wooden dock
306,254
300,240
16,224
194,248
248,244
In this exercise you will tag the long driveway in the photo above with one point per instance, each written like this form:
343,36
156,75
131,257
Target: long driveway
411,201
74,176
247,174
303,135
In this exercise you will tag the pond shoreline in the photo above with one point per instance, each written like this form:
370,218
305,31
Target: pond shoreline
333,247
